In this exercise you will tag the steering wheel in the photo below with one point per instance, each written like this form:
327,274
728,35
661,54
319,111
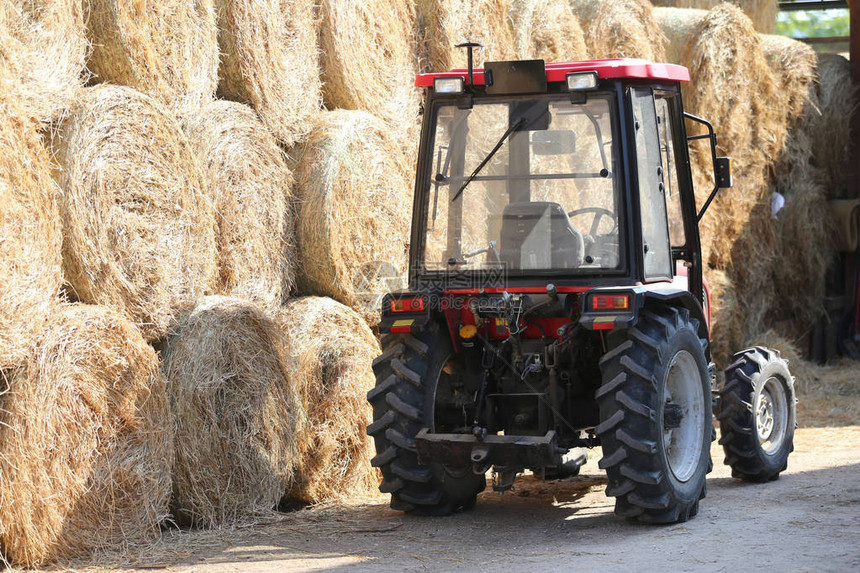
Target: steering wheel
599,214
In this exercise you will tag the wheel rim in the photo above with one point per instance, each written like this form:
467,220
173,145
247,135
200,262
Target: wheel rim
770,408
684,399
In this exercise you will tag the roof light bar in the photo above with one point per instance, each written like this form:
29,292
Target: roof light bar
579,81
448,85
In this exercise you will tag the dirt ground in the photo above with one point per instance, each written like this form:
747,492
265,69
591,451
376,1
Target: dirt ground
808,520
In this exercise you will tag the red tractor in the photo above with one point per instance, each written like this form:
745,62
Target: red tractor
556,299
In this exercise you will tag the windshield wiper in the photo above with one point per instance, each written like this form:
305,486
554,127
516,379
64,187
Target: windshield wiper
489,156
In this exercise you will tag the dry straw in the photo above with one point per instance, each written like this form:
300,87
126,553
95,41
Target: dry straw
330,350
251,187
804,227
727,318
355,198
85,441
269,59
733,87
43,45
443,24
762,13
368,57
30,234
831,134
621,29
234,411
139,230
547,30
167,49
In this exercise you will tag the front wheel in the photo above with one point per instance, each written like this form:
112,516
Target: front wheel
757,415
655,417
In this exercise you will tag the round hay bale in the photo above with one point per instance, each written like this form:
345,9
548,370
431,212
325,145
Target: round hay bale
621,29
804,228
547,30
330,351
831,130
270,59
85,441
251,188
44,48
734,88
166,49
762,13
355,203
369,58
445,23
234,413
30,234
139,230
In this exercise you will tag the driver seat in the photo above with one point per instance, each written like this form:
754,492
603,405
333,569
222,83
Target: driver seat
539,235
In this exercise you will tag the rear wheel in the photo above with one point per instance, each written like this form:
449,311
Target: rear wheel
408,374
757,415
655,420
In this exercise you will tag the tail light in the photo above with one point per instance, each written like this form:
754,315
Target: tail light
610,302
407,304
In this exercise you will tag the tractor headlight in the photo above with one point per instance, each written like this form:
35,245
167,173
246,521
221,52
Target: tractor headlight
578,81
454,85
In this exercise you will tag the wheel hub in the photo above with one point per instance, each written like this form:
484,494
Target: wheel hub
764,417
683,415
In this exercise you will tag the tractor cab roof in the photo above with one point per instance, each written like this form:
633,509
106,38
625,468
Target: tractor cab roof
618,68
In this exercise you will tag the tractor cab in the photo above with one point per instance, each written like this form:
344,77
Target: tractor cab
555,299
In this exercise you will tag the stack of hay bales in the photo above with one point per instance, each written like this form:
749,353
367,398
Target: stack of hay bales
330,350
368,57
354,197
831,129
762,13
621,29
547,30
166,49
30,236
251,188
43,50
804,236
235,413
443,24
733,87
270,60
139,230
85,441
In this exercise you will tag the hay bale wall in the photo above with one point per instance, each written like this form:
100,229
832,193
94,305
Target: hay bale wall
733,87
85,441
234,414
368,57
621,29
831,131
354,193
251,188
166,49
762,13
804,234
330,350
30,235
269,59
445,23
547,30
139,230
43,48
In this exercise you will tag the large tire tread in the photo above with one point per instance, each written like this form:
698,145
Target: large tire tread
629,419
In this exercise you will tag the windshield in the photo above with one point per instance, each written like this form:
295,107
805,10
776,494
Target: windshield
523,185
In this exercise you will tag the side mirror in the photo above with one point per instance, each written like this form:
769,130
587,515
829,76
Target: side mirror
723,172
